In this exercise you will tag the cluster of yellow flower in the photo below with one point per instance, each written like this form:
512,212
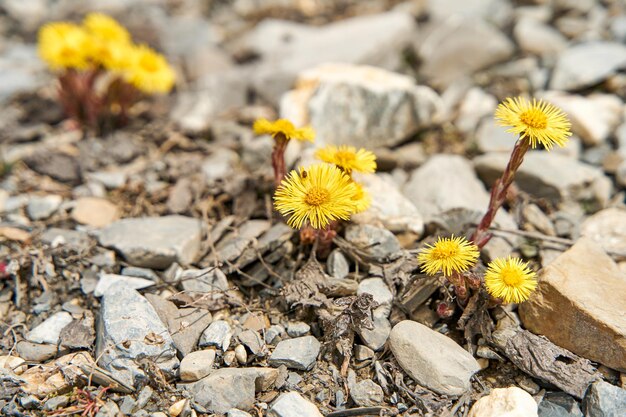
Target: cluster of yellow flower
102,43
321,193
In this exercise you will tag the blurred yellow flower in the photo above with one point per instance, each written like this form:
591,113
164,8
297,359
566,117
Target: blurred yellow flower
454,254
536,121
318,195
64,45
362,199
149,71
348,158
284,128
105,28
510,279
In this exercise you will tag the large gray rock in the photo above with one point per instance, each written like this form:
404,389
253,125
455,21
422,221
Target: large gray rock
359,105
129,332
551,176
228,388
299,353
285,47
292,404
604,400
586,64
155,242
458,47
432,359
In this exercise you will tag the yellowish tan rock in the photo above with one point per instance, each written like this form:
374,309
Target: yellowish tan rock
96,212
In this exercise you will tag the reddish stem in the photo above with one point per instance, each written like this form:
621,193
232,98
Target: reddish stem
498,193
278,158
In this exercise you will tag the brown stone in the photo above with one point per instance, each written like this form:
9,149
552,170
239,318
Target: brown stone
579,305
96,212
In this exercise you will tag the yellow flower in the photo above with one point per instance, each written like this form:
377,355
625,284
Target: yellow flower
105,28
114,56
149,71
510,279
348,158
64,45
538,121
318,194
361,198
454,254
285,128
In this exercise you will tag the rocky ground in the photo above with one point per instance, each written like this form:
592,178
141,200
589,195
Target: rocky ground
143,273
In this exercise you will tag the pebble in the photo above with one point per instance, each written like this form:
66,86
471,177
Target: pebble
432,359
372,93
129,330
364,393
581,315
299,353
220,165
56,402
379,290
377,242
95,212
297,329
50,329
241,355
559,404
62,237
538,38
106,281
219,334
604,400
154,242
35,352
177,408
207,280
337,264
505,402
40,208
476,105
607,228
292,404
376,338
275,331
586,64
362,353
196,365
233,412
13,363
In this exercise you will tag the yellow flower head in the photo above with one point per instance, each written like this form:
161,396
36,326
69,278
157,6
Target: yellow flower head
538,121
348,158
454,254
105,28
318,194
149,71
285,128
510,279
362,199
64,45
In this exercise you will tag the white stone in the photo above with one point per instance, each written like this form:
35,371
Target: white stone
40,208
49,330
432,359
299,353
475,106
292,404
107,281
505,402
538,38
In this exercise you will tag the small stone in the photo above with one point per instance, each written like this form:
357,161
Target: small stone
292,404
586,64
253,341
298,329
538,220
95,212
581,315
233,412
49,331
376,338
241,355
379,243
177,408
300,353
505,402
362,353
196,365
607,228
35,352
220,165
379,290
72,238
207,280
274,332
128,405
604,400
229,358
135,271
154,242
538,38
56,402
107,281
476,105
365,393
109,409
528,385
432,359
217,334
337,264
256,322
559,404
13,363
40,208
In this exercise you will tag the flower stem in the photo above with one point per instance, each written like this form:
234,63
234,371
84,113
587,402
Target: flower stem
498,193
278,158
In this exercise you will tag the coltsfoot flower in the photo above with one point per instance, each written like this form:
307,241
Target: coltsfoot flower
536,121
64,45
362,198
105,28
510,279
318,195
284,128
149,71
449,255
348,158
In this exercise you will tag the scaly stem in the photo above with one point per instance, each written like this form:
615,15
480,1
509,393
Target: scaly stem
498,193
278,158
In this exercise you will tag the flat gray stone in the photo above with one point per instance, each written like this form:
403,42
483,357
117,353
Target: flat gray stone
62,237
203,280
379,243
49,330
376,337
40,208
604,400
219,334
559,404
586,64
129,330
297,329
364,393
299,353
106,281
196,365
292,404
155,242
432,359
